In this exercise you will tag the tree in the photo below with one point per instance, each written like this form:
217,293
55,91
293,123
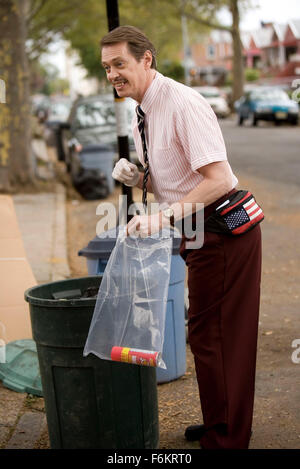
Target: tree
27,27
49,19
204,13
26,30
15,164
159,20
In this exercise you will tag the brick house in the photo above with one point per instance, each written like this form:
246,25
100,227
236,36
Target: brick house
255,53
212,56
291,46
275,56
274,49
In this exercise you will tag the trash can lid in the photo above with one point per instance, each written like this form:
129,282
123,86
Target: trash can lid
94,148
75,292
101,246
20,370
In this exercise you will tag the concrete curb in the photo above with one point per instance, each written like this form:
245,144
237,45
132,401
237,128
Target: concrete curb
42,222
60,268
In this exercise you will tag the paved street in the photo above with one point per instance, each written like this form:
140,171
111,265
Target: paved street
267,151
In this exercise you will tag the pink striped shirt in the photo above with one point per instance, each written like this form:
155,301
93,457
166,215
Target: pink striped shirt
182,134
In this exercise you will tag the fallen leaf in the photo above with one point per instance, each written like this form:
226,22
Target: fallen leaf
56,260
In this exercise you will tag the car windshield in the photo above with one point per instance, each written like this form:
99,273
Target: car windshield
60,109
98,114
269,95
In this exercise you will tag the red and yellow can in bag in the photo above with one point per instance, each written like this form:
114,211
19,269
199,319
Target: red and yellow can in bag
135,356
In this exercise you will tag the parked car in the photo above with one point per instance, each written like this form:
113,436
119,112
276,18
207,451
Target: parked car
59,108
57,112
266,103
39,105
88,143
215,98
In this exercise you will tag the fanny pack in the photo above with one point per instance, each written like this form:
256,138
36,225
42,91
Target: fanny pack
237,215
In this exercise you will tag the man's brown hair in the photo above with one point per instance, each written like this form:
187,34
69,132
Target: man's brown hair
137,42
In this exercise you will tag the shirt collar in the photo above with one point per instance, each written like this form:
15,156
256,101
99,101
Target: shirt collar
152,93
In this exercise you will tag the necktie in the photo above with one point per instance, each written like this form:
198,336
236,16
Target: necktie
141,126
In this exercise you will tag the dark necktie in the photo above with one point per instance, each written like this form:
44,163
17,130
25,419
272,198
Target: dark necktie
141,126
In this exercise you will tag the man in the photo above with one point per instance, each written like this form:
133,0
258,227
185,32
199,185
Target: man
180,144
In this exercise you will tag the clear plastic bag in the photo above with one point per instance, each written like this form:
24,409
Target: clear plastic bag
129,317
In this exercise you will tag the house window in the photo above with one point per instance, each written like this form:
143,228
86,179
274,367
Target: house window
211,51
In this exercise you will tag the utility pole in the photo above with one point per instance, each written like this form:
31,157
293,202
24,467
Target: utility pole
120,105
188,62
186,50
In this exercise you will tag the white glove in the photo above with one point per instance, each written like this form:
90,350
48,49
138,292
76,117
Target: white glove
126,172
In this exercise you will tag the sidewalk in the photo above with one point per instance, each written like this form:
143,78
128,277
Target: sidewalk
41,217
42,222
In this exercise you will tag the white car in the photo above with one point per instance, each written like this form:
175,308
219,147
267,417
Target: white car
215,98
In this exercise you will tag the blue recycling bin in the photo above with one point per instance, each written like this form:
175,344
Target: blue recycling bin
97,253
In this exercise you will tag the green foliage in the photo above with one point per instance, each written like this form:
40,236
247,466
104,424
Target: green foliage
84,23
44,78
50,19
229,79
159,22
252,74
91,60
59,85
172,69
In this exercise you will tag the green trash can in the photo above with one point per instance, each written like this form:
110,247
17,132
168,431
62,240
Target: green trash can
89,402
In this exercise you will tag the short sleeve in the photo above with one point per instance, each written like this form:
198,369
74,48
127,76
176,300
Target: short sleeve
198,132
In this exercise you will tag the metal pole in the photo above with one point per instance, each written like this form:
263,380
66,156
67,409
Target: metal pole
185,49
120,105
187,53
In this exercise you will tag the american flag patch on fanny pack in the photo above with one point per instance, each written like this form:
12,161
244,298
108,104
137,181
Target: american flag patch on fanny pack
237,215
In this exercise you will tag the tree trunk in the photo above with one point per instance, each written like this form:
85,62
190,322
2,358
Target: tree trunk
238,63
15,153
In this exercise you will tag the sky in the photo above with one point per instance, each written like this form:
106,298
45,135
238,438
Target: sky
268,11
262,10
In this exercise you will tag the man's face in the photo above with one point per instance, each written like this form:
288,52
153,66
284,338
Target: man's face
128,76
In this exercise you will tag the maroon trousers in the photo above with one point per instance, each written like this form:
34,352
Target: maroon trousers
224,292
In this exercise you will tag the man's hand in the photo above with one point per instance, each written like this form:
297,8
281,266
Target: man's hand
146,225
126,172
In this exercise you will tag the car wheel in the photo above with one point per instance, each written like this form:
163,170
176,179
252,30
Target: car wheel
91,185
68,162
